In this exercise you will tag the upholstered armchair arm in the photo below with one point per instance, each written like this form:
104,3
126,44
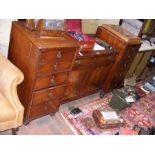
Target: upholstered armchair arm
10,77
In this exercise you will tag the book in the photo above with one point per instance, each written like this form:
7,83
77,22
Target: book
98,47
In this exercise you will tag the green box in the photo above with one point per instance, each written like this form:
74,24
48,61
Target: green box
117,101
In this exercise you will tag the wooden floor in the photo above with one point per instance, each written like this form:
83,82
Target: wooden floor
54,125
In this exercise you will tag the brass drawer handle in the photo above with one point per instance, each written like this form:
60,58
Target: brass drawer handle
129,55
83,46
125,65
52,80
50,94
46,102
59,54
56,66
77,62
46,105
109,57
133,48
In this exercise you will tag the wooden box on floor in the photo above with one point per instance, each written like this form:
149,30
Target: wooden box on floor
105,123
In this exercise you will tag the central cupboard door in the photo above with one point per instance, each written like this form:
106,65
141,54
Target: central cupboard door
85,80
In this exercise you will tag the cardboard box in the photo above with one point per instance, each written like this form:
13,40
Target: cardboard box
89,26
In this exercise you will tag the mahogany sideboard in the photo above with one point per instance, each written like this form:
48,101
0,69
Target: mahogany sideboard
55,72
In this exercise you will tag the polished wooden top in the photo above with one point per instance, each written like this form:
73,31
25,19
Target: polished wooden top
47,39
122,33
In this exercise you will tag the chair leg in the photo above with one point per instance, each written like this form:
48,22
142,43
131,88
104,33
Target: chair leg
14,131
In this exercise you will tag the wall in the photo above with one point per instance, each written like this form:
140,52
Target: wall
89,26
5,28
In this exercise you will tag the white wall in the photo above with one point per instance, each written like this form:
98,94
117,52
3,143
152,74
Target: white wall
5,28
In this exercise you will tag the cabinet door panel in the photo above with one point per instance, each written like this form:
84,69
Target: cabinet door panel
84,81
78,83
97,77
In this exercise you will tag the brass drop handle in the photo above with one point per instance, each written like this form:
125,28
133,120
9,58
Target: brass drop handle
125,65
46,105
46,102
56,66
133,48
109,57
83,46
77,62
59,54
50,94
52,80
129,55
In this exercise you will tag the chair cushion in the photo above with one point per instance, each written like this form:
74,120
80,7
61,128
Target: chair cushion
7,112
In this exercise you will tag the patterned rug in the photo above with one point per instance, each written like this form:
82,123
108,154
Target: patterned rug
141,113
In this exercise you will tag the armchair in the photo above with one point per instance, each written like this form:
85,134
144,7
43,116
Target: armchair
11,110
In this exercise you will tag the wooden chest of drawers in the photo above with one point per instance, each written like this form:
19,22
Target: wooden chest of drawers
46,64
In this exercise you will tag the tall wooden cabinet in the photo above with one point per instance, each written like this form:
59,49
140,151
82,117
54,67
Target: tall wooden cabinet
46,62
127,45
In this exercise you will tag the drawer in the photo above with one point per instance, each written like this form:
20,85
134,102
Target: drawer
50,80
98,60
67,53
44,109
41,96
106,60
83,61
54,66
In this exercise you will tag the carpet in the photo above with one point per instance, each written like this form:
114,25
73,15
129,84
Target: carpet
141,113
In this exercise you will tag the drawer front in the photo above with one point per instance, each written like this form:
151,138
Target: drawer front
67,53
44,109
93,61
41,96
106,60
50,80
83,61
54,66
